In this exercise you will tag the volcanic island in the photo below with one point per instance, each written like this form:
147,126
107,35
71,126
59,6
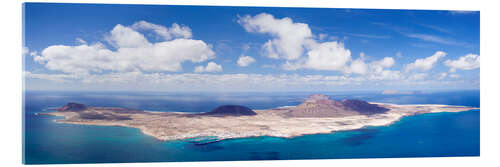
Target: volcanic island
316,114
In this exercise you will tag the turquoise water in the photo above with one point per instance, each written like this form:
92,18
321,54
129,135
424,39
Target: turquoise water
427,135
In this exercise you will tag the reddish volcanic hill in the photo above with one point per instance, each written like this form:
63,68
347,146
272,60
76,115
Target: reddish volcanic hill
321,106
75,107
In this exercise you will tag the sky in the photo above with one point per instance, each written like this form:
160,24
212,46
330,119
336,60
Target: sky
92,47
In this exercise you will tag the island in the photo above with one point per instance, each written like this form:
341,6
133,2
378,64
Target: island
316,114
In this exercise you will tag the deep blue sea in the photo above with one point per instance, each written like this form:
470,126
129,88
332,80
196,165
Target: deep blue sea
426,135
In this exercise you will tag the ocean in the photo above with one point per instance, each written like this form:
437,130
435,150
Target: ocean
426,135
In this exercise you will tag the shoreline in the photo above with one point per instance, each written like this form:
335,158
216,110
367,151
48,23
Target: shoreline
142,131
175,126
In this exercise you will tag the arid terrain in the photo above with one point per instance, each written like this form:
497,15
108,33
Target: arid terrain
317,114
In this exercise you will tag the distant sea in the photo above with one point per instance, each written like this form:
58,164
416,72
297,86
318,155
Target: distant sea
426,135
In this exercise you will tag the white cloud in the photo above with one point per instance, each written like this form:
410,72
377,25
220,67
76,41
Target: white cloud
80,41
25,50
244,61
211,67
175,31
126,37
237,82
133,53
467,62
332,56
417,76
322,36
328,56
34,53
436,39
375,70
427,63
358,66
378,66
269,66
52,77
445,75
289,38
386,75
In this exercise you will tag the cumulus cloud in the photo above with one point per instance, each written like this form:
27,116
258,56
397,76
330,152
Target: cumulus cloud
442,75
289,38
175,31
126,37
135,59
328,56
374,70
386,62
427,63
294,42
467,62
358,66
211,67
244,61
332,56
133,53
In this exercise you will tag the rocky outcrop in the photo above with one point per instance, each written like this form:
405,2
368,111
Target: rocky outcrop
231,110
74,107
322,106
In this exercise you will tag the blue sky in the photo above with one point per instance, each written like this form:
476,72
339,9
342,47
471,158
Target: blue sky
203,48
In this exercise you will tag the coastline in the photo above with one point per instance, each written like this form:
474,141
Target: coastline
266,123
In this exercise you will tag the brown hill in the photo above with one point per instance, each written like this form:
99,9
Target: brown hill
321,106
231,110
75,107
